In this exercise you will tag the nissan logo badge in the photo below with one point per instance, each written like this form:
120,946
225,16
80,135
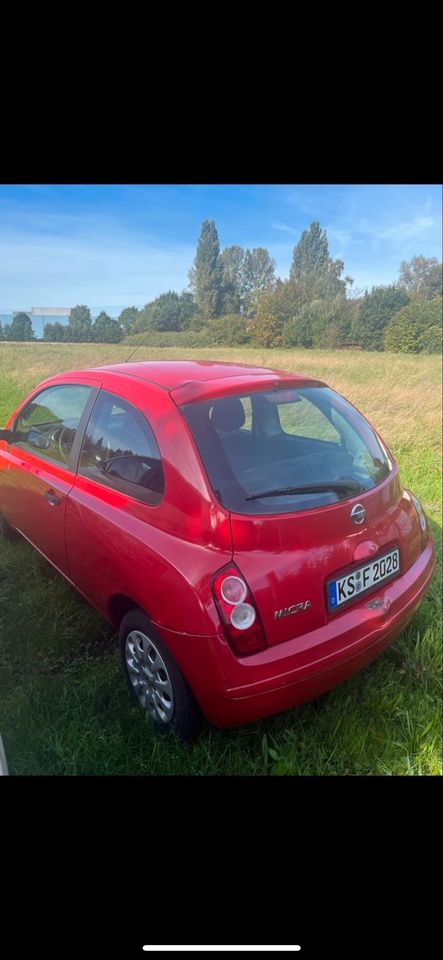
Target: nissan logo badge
358,513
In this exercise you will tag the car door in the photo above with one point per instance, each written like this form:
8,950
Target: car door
120,483
40,468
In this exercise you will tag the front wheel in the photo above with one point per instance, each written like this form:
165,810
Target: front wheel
155,680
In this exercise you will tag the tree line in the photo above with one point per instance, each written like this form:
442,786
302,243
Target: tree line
79,329
234,297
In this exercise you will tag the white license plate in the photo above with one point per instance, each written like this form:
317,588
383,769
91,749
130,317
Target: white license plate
362,579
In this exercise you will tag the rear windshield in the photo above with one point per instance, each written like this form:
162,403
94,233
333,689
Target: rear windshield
282,451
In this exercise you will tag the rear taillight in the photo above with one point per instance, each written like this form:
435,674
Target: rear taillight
238,612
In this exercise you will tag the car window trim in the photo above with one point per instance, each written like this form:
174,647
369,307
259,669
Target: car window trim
113,484
74,458
70,465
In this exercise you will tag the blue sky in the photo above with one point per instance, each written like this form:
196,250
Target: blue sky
122,245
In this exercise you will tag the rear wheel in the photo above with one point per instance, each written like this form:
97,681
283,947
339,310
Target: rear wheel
155,680
7,532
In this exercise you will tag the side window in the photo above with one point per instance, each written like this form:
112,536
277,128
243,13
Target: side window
120,451
50,421
304,419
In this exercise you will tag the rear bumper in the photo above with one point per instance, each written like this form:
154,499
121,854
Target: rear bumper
233,691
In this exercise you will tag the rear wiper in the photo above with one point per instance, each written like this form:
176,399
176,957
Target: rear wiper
335,486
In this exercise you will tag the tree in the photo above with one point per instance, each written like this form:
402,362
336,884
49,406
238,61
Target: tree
206,276
20,328
259,275
186,309
127,318
79,325
55,332
421,277
282,300
311,254
297,330
106,330
415,328
375,311
1,332
313,270
168,312
233,280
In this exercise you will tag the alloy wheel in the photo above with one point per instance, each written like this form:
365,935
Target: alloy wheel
149,676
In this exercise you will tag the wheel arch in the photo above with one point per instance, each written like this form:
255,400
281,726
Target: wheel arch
119,605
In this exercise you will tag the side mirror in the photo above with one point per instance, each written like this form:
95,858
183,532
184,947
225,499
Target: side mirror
32,436
8,435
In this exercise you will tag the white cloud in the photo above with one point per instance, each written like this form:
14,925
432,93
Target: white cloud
278,225
342,236
407,230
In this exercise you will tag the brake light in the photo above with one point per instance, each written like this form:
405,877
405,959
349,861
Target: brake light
238,612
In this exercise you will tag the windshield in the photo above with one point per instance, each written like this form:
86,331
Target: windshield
283,450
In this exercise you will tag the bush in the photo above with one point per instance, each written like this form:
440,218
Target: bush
431,340
416,328
375,313
266,329
320,324
229,330
153,338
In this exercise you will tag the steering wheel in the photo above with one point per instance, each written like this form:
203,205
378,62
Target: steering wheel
65,454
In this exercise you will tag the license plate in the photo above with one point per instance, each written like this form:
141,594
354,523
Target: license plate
362,579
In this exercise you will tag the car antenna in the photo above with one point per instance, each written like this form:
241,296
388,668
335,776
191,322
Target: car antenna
136,348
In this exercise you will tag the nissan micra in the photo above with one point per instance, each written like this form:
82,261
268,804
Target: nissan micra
244,529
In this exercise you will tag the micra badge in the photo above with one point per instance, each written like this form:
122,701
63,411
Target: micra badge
294,608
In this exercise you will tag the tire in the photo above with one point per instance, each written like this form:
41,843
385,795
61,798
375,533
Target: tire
163,692
7,532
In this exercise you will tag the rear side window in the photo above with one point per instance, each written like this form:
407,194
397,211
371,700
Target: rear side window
50,421
306,420
120,450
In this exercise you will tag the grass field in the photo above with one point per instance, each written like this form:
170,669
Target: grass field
64,707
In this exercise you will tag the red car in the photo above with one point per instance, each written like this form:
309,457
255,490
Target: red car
244,529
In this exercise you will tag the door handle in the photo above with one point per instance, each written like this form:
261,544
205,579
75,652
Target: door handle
52,498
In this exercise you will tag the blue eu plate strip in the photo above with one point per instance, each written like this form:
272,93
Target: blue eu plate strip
332,590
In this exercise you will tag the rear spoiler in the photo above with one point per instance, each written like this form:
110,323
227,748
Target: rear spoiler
195,390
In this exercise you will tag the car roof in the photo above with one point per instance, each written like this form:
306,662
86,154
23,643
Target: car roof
174,373
196,375
191,380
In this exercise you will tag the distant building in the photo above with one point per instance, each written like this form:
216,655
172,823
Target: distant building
40,316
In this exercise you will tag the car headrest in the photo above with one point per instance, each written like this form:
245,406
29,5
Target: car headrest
228,414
